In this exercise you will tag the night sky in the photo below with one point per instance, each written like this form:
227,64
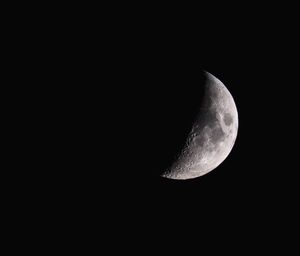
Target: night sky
123,105
137,107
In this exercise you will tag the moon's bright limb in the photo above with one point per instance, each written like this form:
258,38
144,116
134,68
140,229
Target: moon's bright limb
212,136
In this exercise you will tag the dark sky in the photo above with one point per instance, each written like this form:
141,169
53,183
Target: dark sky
139,118
145,95
246,184
131,97
103,99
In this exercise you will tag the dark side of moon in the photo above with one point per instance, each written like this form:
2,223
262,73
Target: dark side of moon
185,125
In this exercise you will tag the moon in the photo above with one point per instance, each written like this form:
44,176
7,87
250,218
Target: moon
212,136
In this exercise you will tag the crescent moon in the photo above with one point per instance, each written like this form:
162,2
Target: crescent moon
212,136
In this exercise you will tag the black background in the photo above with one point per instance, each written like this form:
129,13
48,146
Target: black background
119,95
138,110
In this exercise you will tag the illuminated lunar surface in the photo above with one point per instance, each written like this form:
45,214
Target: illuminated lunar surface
212,135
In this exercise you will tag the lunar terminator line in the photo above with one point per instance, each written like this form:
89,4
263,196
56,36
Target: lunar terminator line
212,136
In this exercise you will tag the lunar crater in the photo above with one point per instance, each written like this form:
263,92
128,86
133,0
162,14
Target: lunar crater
217,134
227,119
